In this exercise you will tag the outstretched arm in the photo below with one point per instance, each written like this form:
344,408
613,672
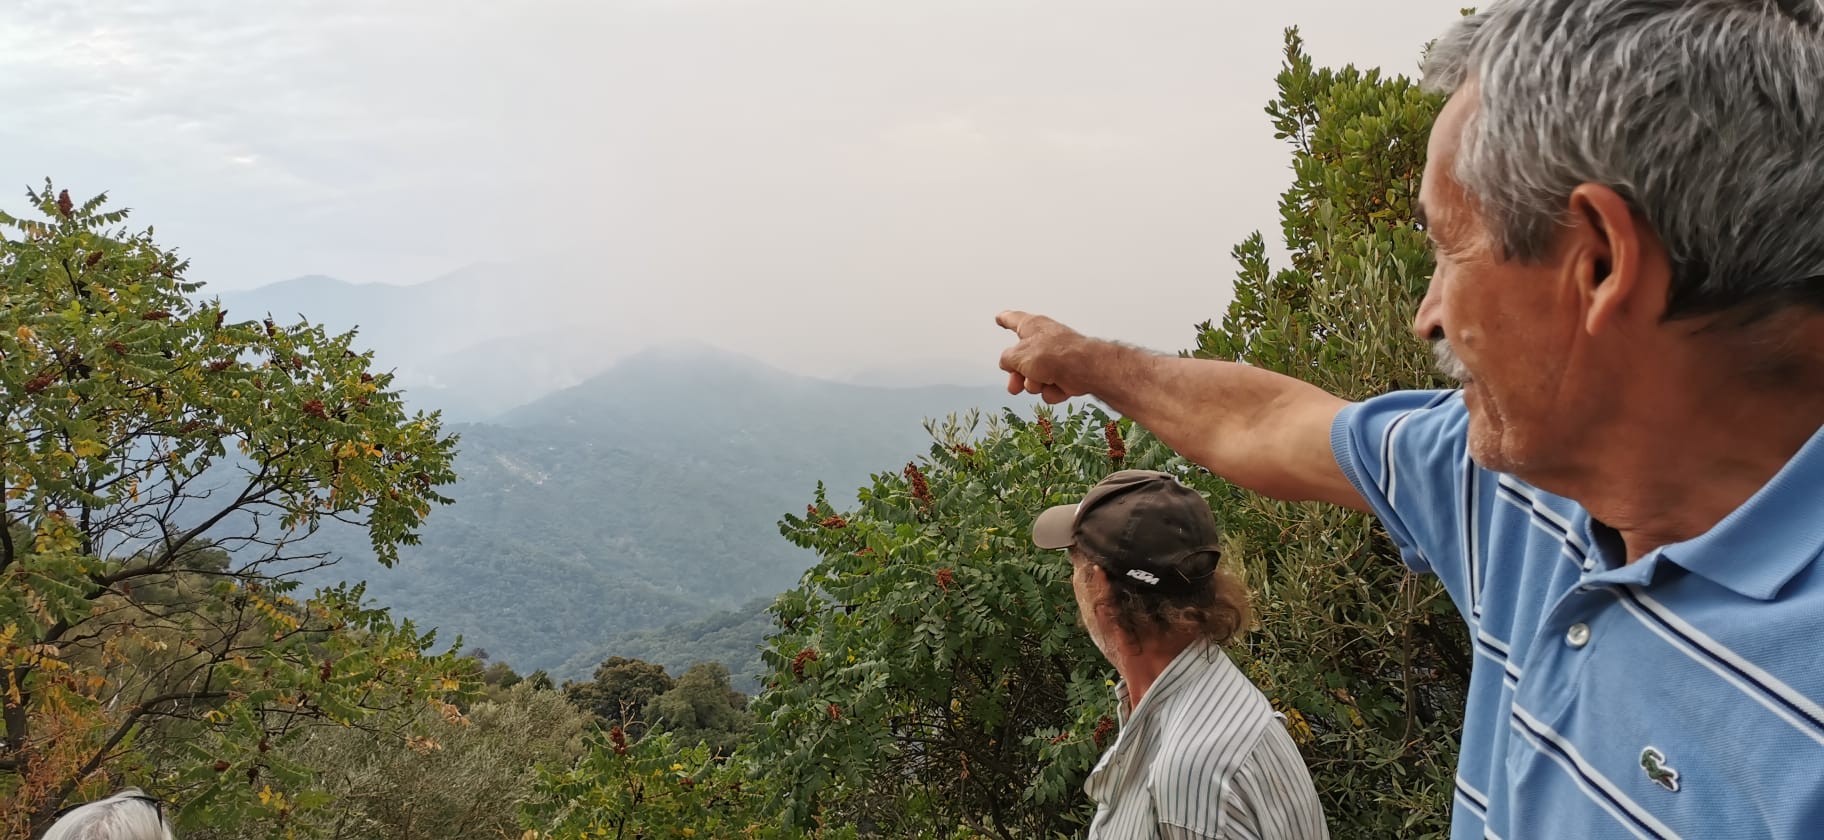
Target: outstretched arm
1264,431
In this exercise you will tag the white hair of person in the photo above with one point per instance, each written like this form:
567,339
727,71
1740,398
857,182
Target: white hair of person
1707,116
130,814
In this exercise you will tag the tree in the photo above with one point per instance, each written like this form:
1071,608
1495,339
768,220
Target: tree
1369,661
492,675
702,707
930,672
453,778
620,691
655,787
160,463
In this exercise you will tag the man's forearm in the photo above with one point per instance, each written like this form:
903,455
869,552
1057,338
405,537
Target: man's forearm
1264,431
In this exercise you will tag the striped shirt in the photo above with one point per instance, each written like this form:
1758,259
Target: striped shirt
1203,757
1677,696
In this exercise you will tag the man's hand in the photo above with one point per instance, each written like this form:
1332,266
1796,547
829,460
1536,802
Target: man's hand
1045,360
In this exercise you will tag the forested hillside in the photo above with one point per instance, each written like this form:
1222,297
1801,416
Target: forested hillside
730,637
642,497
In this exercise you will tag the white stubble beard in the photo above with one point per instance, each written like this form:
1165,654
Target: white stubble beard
1448,363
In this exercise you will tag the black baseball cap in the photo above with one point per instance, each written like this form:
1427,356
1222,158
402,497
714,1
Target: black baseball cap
1146,528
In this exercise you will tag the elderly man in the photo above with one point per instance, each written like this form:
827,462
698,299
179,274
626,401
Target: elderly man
1626,497
1201,755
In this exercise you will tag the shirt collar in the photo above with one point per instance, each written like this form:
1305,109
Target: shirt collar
1777,533
1181,670
1176,673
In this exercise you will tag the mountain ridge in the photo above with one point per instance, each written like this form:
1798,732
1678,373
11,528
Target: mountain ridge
640,499
488,338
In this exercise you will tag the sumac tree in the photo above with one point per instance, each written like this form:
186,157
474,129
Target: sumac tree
160,462
930,672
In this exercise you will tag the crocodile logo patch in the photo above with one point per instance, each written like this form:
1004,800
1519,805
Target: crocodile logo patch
1654,762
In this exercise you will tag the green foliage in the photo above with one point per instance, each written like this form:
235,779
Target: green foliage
496,677
637,500
1369,661
453,777
930,671
702,708
655,788
634,696
143,432
620,691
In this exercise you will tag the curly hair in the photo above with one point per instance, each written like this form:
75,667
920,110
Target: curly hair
1216,610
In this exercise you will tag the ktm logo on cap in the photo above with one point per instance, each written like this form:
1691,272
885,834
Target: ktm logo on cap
1145,577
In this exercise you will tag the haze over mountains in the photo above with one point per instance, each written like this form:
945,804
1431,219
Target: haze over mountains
604,489
490,337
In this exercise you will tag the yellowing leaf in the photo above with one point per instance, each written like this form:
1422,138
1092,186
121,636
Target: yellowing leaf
1296,725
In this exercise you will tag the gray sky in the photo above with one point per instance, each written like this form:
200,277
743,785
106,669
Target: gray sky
826,185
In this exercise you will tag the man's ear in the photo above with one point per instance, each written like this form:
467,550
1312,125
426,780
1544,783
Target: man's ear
1613,260
1094,575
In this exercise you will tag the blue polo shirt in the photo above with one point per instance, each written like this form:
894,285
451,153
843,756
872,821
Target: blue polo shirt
1678,696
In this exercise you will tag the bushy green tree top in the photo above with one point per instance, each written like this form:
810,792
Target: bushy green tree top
144,435
1368,661
930,671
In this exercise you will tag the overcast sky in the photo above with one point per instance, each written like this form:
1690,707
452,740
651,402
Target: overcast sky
794,179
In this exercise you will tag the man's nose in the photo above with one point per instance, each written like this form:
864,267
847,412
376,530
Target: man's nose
1428,322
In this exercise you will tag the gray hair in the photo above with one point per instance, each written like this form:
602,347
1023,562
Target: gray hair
128,815
1706,116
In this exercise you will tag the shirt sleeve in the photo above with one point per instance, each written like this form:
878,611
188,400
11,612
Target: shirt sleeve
1407,454
1269,796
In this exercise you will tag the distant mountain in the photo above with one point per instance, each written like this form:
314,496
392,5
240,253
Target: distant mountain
404,325
479,382
471,343
476,342
646,495
487,338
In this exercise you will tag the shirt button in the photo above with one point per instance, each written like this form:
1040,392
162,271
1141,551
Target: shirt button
1578,635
